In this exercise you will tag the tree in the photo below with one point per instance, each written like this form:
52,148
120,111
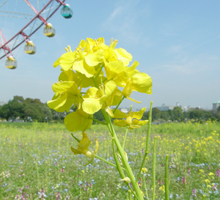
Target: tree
23,108
155,113
5,111
165,115
177,113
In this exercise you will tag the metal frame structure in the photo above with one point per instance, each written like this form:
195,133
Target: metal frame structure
5,46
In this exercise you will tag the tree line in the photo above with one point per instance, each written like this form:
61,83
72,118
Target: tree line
177,114
34,110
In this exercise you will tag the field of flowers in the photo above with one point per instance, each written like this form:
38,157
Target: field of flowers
37,163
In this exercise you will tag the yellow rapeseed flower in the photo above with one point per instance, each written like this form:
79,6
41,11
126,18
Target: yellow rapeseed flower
144,170
83,148
132,119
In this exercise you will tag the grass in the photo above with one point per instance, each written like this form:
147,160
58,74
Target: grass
36,162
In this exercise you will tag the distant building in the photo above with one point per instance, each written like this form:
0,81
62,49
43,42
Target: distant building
124,110
215,106
164,107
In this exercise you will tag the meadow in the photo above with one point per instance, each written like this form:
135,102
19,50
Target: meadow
37,163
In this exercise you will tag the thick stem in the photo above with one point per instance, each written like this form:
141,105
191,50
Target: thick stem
166,180
123,157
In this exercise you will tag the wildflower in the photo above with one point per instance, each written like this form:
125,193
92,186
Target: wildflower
162,188
95,98
194,192
211,174
189,171
83,148
207,181
41,194
58,196
183,180
214,186
201,170
67,93
7,174
67,197
82,60
144,170
218,172
126,179
132,119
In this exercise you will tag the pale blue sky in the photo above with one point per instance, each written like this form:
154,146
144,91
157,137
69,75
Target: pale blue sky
176,42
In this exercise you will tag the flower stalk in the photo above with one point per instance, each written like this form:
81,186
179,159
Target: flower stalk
123,158
109,78
166,180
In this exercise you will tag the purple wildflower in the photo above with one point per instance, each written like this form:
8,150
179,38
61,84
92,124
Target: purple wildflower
218,172
194,192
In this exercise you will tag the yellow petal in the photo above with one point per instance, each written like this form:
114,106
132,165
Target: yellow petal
90,43
137,123
84,143
139,114
83,68
93,59
56,63
75,151
109,111
61,87
77,121
67,60
142,82
123,56
121,123
91,105
91,92
110,87
119,114
60,103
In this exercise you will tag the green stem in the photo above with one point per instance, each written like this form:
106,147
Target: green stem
154,168
98,121
118,104
166,180
95,82
129,193
75,138
125,138
99,72
147,140
100,158
123,157
117,161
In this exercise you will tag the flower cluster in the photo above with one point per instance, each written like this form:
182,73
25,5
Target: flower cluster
103,72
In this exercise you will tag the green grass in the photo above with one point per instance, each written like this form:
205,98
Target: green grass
37,156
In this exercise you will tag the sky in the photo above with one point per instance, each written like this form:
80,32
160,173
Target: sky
176,42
